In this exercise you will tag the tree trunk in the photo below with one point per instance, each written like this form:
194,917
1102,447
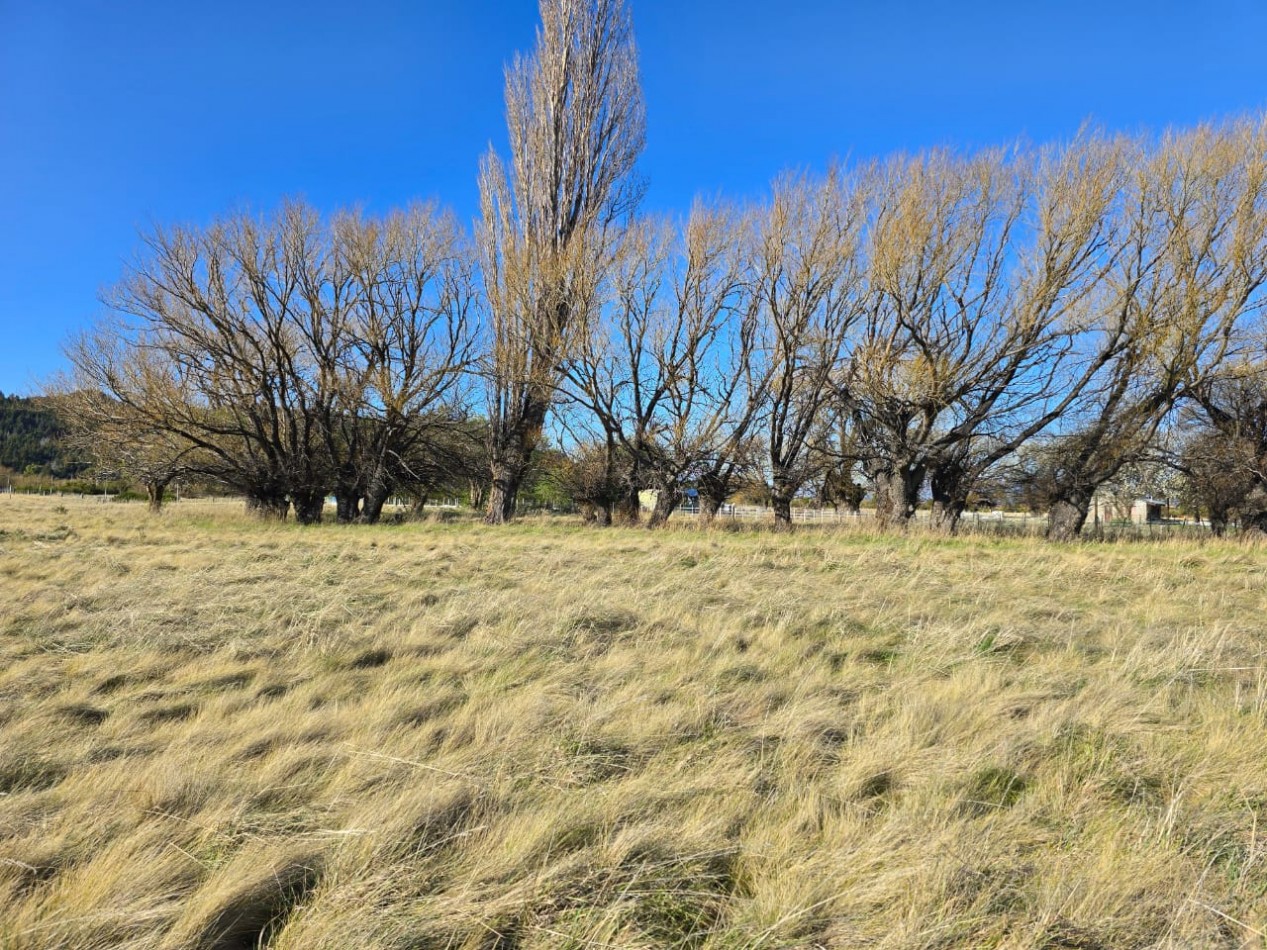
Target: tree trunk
372,509
666,502
267,506
504,493
1254,527
781,502
510,454
309,506
347,506
714,489
154,495
897,495
1067,516
629,507
949,498
1253,512
708,508
945,515
1218,521
477,491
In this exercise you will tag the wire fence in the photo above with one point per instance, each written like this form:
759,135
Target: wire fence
1006,523
995,522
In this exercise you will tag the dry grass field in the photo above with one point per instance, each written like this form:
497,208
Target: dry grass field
221,734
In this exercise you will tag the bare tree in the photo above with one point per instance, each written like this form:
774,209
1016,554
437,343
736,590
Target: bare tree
809,284
1188,272
1226,460
665,371
412,280
117,439
575,118
257,346
976,265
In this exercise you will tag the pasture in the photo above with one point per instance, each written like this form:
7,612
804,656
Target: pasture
219,733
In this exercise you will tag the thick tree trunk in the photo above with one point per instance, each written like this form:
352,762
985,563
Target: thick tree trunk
949,499
269,507
1253,514
708,508
628,509
781,502
372,509
504,493
897,495
714,489
1067,516
666,502
347,505
154,495
1254,527
309,506
510,455
945,515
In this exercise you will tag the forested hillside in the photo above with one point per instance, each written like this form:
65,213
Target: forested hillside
31,438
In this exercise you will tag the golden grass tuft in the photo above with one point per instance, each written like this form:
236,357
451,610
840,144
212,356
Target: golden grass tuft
221,734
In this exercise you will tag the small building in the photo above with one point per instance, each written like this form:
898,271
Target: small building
689,503
1108,508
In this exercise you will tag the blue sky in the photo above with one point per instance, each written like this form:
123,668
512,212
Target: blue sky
115,114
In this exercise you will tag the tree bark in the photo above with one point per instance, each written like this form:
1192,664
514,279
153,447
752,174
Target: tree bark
708,508
629,507
949,498
714,489
347,506
270,507
154,495
897,495
781,502
309,506
666,502
1253,512
945,516
372,509
1067,516
504,493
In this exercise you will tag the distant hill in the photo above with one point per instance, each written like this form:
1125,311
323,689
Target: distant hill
32,439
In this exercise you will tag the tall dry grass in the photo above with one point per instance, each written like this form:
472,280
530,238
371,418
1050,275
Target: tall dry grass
220,734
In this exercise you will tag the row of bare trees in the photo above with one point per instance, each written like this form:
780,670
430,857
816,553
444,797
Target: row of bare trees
286,359
922,322
918,327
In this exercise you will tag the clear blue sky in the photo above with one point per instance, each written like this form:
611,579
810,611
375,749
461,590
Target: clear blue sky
118,113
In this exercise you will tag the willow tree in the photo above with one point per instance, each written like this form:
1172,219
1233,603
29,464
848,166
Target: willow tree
810,286
268,354
665,372
1227,461
575,119
978,267
1187,275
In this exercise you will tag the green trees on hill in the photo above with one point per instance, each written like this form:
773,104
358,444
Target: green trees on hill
32,439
